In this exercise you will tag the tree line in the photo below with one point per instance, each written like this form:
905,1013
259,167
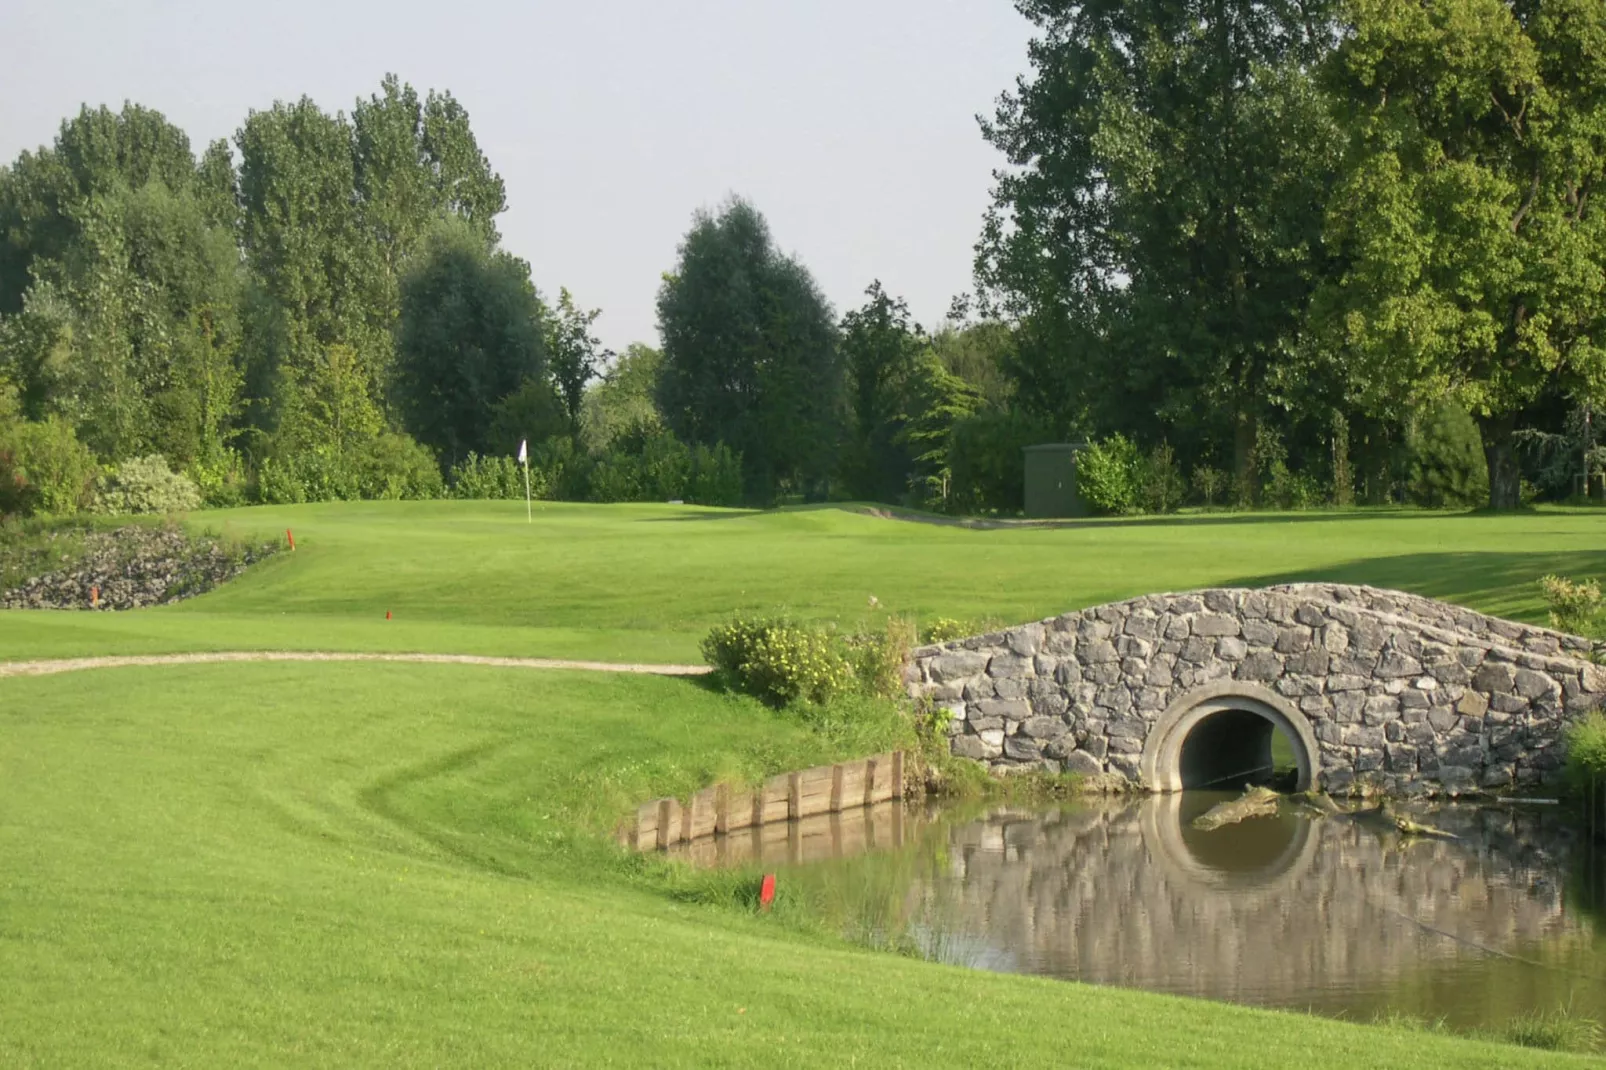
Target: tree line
1263,253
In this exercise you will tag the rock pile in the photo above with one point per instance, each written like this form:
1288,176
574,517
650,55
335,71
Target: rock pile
132,567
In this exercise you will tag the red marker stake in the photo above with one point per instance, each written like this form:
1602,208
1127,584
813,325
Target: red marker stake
766,891
387,614
291,536
94,597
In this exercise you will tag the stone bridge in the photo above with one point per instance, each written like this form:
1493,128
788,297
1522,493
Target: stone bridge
1373,690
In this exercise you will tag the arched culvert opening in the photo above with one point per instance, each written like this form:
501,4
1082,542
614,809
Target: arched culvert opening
1231,749
1225,735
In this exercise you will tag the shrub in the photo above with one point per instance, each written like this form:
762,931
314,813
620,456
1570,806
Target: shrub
565,471
1209,484
1305,492
146,485
388,466
44,469
716,476
1448,468
1109,476
649,464
1575,606
222,481
987,468
878,657
1161,479
492,479
1586,752
394,467
945,630
778,661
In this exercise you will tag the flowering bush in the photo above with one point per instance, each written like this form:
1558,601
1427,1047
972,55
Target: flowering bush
1575,605
779,661
146,485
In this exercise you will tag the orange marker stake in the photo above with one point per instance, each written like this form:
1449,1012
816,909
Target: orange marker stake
387,614
291,536
766,891
94,597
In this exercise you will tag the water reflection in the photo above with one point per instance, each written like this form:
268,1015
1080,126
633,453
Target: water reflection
1328,914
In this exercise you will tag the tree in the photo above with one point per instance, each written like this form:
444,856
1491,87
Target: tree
468,337
415,162
750,354
881,351
573,353
1158,232
623,399
304,241
1476,259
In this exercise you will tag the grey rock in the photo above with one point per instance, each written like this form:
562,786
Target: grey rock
1215,624
1293,640
1044,728
957,665
1081,763
1261,665
1022,749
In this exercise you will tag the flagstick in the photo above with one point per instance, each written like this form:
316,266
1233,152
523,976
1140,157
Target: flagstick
529,518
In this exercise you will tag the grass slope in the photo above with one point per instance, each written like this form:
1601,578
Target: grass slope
327,865
401,864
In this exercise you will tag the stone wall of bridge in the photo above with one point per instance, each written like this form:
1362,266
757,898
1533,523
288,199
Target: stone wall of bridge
1392,692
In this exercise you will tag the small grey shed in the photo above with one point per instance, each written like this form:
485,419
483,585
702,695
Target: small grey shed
1051,480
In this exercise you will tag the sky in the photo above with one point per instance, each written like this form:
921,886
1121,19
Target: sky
849,123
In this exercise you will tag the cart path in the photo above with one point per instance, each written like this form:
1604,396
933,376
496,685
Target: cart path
61,665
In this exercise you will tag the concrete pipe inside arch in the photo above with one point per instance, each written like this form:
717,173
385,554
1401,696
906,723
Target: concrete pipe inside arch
1230,725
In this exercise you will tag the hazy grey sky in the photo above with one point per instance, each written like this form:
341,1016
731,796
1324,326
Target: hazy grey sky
849,124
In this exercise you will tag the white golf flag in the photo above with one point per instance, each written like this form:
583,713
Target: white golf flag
524,453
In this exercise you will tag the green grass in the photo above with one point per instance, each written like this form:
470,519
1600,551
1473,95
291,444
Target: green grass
646,582
407,865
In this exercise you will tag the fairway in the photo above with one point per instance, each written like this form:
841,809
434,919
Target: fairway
645,583
408,864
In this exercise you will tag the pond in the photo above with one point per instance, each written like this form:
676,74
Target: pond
1326,914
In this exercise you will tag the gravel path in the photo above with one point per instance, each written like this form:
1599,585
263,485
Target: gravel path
60,665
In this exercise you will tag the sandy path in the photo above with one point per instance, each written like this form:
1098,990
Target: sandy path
48,668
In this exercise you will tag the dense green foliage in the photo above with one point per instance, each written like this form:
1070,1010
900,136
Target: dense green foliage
1329,219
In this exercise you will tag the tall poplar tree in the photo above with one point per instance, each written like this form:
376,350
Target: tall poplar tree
750,354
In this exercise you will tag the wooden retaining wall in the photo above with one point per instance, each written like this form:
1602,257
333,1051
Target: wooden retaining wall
852,832
719,810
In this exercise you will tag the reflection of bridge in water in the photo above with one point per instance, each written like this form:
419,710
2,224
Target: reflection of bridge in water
1273,910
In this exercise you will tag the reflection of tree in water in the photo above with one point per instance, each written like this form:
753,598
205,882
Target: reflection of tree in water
1274,910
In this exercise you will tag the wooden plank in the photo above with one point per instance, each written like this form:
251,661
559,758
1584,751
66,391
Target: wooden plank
852,790
741,807
870,766
794,796
666,816
897,774
778,796
722,809
816,779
